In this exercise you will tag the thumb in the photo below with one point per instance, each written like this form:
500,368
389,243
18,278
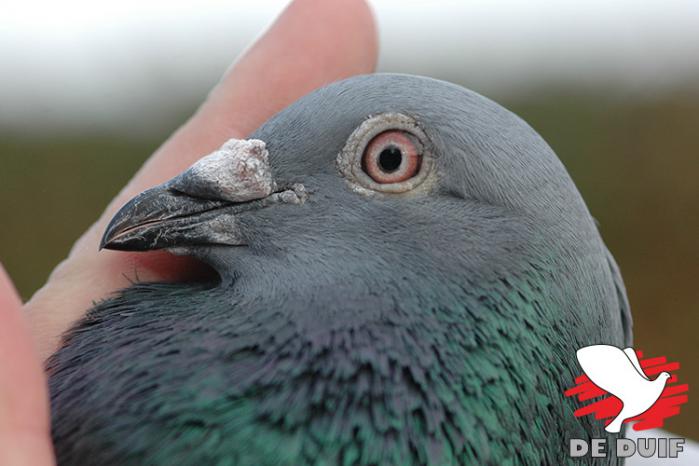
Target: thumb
24,409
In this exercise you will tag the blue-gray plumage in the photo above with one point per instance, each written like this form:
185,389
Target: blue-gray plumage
404,279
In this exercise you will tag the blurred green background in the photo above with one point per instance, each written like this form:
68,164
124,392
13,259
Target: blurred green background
631,146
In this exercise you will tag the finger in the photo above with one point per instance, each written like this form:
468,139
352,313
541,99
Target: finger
24,414
313,42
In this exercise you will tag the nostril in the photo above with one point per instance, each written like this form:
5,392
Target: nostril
238,171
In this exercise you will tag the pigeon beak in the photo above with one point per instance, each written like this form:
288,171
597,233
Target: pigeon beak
197,207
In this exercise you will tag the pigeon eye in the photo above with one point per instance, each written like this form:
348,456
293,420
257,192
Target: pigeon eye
388,153
391,157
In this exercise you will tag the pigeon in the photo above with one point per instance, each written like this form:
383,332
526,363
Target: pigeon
404,272
619,372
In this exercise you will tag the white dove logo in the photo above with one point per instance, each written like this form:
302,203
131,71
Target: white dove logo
618,372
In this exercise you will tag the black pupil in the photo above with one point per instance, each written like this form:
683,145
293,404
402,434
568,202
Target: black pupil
390,159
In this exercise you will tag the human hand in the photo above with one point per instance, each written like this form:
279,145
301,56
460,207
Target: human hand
25,438
314,42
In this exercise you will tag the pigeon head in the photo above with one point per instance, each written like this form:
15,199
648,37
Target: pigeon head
373,175
406,270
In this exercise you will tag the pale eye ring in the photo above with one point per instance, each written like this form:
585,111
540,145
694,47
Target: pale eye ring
387,153
391,157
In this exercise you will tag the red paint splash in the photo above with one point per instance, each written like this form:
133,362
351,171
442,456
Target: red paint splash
607,406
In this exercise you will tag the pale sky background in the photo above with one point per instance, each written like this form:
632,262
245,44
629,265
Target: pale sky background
79,65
